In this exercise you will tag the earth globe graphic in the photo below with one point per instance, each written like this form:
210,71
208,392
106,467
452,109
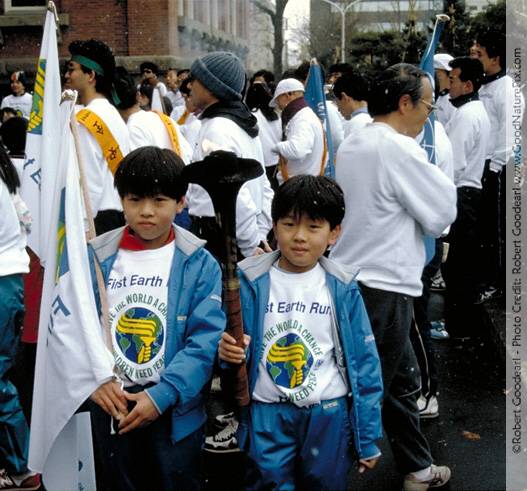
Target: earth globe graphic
289,361
139,335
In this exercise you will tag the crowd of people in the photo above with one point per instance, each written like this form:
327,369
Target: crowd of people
334,274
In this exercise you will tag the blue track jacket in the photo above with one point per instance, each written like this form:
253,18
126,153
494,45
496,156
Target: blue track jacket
355,349
195,322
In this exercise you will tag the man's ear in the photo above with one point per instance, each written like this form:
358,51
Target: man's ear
405,103
334,235
180,205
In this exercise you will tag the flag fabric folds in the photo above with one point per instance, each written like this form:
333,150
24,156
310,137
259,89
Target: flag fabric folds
428,140
72,359
316,99
42,149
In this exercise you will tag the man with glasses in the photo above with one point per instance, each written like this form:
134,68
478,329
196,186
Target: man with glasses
469,133
393,196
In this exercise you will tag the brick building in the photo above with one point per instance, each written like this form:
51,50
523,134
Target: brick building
169,32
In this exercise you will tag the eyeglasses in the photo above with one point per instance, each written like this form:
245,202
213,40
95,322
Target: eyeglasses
431,107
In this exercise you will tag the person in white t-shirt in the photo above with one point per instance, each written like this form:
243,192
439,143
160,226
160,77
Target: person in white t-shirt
313,369
20,100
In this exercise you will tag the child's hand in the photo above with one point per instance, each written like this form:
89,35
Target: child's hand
228,351
367,464
143,413
110,397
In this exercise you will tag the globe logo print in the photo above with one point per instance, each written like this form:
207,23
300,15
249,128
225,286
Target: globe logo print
139,335
289,361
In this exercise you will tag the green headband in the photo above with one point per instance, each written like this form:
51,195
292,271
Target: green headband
93,65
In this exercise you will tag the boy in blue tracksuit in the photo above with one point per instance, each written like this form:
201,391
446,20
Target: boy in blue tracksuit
314,373
165,316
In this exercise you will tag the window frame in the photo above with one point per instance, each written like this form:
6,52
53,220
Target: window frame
9,8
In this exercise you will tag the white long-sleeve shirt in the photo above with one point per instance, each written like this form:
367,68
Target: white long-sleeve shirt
504,104
13,255
253,206
445,109
270,133
469,132
146,128
304,145
393,196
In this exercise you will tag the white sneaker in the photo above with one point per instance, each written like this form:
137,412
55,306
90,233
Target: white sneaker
223,441
439,476
428,408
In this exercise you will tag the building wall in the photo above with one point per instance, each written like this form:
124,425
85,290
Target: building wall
168,32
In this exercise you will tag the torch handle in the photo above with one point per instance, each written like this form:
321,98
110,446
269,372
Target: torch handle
231,297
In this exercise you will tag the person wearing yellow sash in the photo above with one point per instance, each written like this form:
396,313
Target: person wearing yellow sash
104,139
147,127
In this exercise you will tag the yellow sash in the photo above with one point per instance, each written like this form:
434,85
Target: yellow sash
183,117
100,131
172,133
282,161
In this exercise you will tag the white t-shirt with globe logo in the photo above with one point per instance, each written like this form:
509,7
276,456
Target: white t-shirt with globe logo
137,297
297,362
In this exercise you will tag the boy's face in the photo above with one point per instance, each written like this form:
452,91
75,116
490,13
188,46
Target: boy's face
151,217
302,241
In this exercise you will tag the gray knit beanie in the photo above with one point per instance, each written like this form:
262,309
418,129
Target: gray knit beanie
222,73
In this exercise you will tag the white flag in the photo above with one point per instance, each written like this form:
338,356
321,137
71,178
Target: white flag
157,103
72,359
42,148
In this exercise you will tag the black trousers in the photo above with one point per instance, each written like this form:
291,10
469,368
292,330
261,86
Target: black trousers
491,228
390,315
145,459
420,333
460,270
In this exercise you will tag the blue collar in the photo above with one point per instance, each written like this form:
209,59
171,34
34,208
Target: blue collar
359,111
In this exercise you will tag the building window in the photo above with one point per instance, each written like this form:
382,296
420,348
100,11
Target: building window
24,5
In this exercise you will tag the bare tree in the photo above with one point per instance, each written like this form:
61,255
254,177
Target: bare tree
276,14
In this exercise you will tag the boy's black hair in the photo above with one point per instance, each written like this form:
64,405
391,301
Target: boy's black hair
318,197
13,134
22,78
149,171
8,172
394,82
126,88
471,69
100,53
353,85
266,74
148,65
182,71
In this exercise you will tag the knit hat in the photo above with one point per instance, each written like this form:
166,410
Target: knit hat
441,61
222,73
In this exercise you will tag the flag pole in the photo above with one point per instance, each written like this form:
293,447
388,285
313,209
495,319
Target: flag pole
103,297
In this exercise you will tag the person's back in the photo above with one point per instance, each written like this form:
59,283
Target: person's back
392,195
227,124
163,334
289,300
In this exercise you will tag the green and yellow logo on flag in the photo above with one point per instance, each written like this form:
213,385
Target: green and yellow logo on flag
37,109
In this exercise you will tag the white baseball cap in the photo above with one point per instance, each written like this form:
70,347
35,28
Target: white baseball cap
441,61
284,86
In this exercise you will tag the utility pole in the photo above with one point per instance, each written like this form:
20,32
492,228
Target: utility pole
343,11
